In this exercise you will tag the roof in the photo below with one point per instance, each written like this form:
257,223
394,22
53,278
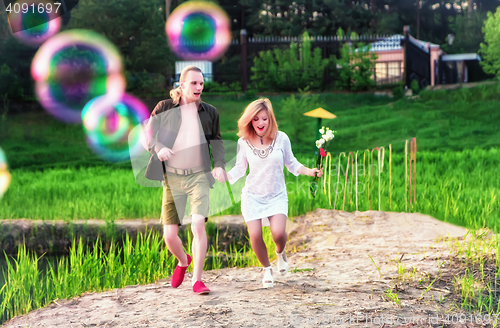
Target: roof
460,57
390,43
424,43
394,43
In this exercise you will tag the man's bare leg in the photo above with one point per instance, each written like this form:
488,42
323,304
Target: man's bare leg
199,245
174,243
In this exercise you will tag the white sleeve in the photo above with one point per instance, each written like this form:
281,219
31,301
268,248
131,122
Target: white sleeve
291,163
240,168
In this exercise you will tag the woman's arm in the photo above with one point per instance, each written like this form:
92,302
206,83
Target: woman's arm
294,166
291,163
310,172
240,168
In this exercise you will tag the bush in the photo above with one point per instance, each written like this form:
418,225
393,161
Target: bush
292,110
414,87
250,95
146,84
290,70
398,92
356,68
10,86
221,88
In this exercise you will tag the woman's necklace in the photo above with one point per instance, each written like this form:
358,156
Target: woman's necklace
262,153
261,141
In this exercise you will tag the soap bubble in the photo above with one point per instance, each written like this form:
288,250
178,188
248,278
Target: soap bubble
199,30
108,124
4,174
74,67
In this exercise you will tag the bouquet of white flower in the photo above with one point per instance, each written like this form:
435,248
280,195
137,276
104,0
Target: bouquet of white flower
322,144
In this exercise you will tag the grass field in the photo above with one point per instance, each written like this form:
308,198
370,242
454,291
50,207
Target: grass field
53,167
56,176
458,187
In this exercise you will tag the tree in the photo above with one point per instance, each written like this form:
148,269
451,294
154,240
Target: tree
468,32
15,60
490,49
138,30
291,110
291,69
356,66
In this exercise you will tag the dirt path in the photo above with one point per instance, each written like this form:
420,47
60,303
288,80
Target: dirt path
335,283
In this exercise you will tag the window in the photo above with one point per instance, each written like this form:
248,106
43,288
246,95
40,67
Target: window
388,72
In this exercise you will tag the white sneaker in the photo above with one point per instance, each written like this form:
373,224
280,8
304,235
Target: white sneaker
282,263
268,281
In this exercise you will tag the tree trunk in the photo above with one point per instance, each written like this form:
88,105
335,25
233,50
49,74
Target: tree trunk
373,22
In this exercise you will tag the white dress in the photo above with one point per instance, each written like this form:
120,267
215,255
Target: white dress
264,194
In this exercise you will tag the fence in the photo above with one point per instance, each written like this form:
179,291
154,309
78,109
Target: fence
232,71
228,70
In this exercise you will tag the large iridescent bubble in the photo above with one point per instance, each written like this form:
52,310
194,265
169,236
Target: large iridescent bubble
74,67
108,124
34,21
4,174
199,30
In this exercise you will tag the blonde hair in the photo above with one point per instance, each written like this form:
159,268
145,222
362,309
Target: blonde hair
245,127
176,93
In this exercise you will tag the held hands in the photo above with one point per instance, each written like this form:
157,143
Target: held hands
316,172
220,174
165,153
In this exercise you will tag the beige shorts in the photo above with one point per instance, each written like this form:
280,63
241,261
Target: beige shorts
176,189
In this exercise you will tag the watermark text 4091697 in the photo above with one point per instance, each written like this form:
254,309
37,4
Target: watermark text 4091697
32,8
46,10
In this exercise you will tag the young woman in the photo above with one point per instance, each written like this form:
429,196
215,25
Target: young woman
264,200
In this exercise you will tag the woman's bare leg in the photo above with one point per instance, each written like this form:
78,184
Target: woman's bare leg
278,230
258,245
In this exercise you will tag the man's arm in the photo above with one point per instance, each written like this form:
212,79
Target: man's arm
216,143
151,129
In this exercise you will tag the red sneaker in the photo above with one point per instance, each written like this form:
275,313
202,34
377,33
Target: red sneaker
179,272
200,288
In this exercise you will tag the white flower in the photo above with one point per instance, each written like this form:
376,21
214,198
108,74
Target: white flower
329,135
322,142
318,143
322,131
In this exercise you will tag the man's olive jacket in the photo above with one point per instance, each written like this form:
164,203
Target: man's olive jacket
164,126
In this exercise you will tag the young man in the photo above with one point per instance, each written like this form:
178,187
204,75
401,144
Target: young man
182,130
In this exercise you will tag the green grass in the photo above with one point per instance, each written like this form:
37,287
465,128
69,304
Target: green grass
56,176
469,273
142,261
441,120
456,168
457,187
26,288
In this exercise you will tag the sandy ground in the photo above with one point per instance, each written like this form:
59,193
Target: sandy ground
332,282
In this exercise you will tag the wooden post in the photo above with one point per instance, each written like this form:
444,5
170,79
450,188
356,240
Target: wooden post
243,42
406,32
167,9
418,19
169,80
